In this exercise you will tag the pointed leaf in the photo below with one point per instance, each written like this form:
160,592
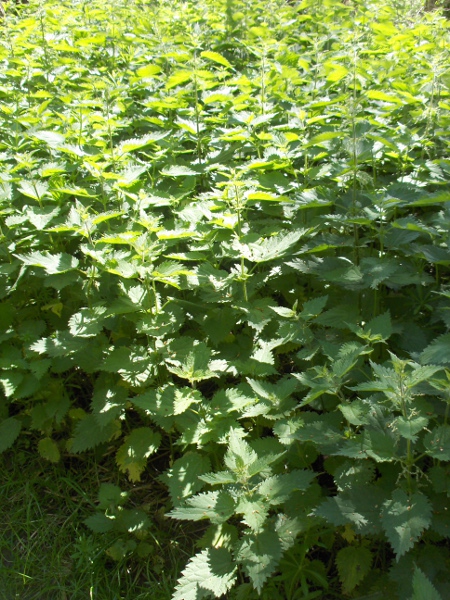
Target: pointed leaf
210,571
216,57
133,453
404,519
353,565
423,588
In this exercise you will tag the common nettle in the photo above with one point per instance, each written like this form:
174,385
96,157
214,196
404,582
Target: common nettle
225,233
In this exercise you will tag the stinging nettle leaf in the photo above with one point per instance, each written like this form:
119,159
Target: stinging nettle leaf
186,476
423,588
211,571
9,431
133,453
216,57
353,565
404,518
52,263
437,442
259,554
217,506
49,450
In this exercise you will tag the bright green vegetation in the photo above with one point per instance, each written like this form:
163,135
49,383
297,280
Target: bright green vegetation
224,300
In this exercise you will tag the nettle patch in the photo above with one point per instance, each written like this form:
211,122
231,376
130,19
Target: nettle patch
225,241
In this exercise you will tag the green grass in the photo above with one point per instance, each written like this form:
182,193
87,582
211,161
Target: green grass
47,551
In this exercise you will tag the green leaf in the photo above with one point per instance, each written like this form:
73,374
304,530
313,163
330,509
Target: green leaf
210,572
133,453
404,519
217,506
259,554
179,171
358,505
380,327
110,496
409,428
136,143
9,431
178,78
88,322
355,412
216,57
379,95
254,513
184,478
49,450
277,489
10,381
52,138
239,454
438,352
270,248
34,189
148,71
423,589
437,442
88,433
194,365
52,263
99,523
353,565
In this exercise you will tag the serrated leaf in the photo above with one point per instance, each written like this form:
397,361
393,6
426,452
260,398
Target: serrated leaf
217,506
216,57
52,138
49,450
265,196
110,496
179,171
185,477
239,454
10,381
41,217
438,352
211,571
437,442
99,523
409,428
88,434
269,248
254,513
87,323
353,565
136,143
148,71
423,589
9,431
52,263
404,519
178,78
219,478
380,326
33,189
259,555
133,453
277,489
355,412
312,308
194,366
359,505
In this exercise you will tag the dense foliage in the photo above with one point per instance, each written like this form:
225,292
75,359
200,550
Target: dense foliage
225,240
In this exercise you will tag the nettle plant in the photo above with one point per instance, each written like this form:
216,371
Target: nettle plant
225,238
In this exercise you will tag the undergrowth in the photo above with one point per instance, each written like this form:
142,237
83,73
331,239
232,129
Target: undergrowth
224,300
